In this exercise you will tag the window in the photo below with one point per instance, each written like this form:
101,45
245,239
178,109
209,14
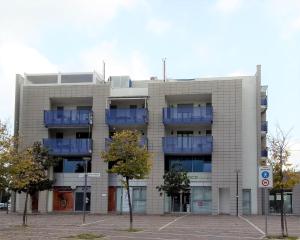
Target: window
201,200
208,132
59,135
139,199
80,135
72,165
189,163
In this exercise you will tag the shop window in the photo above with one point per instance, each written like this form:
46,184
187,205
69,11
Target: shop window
201,200
139,199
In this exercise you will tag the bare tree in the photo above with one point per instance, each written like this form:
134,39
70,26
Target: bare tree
284,173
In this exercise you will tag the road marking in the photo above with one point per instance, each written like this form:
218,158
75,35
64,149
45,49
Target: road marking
253,225
85,224
168,224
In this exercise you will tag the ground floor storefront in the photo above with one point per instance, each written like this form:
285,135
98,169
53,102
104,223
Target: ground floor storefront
66,199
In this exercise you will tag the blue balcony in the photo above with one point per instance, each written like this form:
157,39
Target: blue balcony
188,145
264,101
143,142
122,116
264,126
188,115
69,147
68,118
264,153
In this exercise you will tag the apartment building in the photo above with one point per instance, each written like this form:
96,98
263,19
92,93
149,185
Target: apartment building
215,128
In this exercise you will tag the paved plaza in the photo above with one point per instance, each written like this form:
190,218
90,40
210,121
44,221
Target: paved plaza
175,227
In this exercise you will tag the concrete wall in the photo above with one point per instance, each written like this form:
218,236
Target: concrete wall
249,139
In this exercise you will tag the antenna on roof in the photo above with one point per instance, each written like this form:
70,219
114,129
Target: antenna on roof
164,68
103,70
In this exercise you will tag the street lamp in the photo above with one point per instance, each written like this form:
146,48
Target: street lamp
237,191
86,159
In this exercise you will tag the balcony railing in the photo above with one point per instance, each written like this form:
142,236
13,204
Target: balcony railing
264,101
137,116
188,115
68,118
264,126
69,147
188,145
264,153
143,142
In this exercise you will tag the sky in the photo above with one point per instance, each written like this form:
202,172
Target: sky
198,38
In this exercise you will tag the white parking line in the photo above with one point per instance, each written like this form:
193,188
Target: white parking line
168,224
253,225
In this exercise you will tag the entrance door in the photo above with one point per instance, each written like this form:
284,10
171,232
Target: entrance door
112,199
247,201
181,203
224,200
35,202
79,201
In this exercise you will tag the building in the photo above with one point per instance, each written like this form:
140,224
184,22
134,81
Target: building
214,127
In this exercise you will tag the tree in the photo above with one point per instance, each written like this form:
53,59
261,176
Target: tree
176,182
128,159
29,172
284,174
6,145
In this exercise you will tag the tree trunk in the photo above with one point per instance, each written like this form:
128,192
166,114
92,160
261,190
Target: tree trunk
129,203
25,210
172,203
281,195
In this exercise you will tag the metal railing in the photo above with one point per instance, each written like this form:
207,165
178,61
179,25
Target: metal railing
68,118
72,147
137,116
264,101
187,115
264,153
188,145
264,126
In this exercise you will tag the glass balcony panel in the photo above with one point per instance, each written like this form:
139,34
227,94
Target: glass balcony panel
264,153
187,115
264,126
186,145
67,118
264,101
127,116
69,147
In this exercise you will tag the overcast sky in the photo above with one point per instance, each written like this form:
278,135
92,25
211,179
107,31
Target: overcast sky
198,38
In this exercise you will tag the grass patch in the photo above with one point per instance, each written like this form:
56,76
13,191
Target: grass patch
90,236
280,237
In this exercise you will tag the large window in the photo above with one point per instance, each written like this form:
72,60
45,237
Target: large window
189,163
201,200
139,199
72,165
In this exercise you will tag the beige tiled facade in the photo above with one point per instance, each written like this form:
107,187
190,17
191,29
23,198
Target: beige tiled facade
229,158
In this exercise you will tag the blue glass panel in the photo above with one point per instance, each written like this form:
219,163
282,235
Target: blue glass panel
197,165
191,144
67,117
63,147
126,116
207,167
187,115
